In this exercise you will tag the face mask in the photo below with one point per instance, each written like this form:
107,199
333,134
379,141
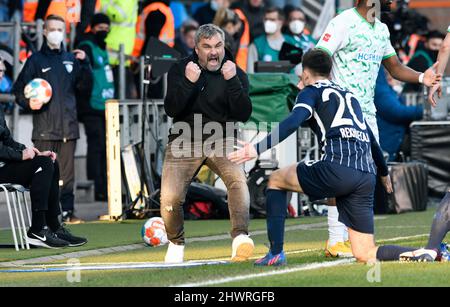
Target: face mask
214,6
55,38
296,26
270,27
100,36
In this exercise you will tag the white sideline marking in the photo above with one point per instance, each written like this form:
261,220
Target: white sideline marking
304,267
403,238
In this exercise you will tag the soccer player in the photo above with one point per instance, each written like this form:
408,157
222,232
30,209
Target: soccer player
347,171
441,220
359,43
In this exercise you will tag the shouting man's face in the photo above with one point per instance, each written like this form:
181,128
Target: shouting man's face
211,52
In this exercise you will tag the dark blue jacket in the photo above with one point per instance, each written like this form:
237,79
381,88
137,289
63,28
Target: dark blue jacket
393,117
57,120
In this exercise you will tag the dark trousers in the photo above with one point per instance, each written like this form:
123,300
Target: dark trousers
95,129
66,156
41,176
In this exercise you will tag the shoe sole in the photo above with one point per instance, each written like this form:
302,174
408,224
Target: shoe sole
36,242
243,252
414,259
76,245
338,255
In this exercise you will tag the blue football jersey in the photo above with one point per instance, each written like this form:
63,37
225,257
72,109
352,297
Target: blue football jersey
337,120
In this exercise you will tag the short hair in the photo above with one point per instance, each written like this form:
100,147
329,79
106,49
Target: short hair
189,28
54,17
273,9
207,31
318,62
435,34
288,9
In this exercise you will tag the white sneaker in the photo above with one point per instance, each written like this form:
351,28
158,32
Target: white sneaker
174,254
242,248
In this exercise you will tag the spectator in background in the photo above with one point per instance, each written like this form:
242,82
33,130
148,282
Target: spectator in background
156,20
443,57
295,26
230,23
88,9
267,47
55,124
425,58
91,106
254,11
393,116
123,16
206,13
283,3
185,42
38,171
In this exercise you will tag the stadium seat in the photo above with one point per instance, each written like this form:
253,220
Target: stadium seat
16,216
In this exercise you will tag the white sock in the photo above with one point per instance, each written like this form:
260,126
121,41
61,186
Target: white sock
336,229
346,234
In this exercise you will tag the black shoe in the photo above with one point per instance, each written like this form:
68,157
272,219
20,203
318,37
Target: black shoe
65,235
45,238
68,217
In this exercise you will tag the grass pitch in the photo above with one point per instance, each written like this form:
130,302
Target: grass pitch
307,266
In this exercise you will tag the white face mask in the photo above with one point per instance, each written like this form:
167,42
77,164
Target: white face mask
214,5
55,37
270,27
296,26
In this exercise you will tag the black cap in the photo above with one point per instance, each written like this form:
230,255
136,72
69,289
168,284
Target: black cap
100,18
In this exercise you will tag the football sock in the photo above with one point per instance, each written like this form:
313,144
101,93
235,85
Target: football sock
38,221
336,230
441,223
392,252
276,215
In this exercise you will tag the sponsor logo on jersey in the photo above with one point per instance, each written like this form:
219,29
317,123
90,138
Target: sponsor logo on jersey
369,57
326,37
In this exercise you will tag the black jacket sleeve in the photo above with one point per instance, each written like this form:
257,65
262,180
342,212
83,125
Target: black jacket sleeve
84,78
9,149
26,75
9,141
180,90
88,50
239,102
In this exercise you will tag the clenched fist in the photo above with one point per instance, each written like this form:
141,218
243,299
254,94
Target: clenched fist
228,70
192,72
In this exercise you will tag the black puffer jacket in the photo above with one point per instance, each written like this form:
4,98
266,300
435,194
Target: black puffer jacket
57,120
10,150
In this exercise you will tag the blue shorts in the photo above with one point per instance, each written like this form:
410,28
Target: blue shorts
353,190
